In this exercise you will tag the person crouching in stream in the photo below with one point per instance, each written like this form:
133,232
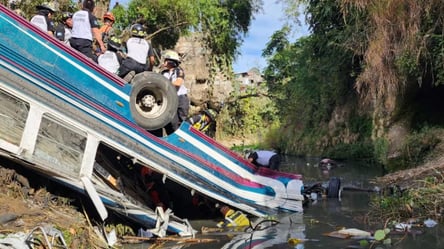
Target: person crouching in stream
265,158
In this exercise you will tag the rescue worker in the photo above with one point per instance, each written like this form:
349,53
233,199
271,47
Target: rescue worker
265,158
113,56
106,30
173,72
203,120
155,188
233,218
63,31
85,28
139,51
43,18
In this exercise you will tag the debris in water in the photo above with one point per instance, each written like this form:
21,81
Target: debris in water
430,223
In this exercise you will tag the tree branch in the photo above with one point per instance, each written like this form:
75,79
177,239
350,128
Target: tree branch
165,28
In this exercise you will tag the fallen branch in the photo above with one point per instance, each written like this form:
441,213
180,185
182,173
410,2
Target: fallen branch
184,240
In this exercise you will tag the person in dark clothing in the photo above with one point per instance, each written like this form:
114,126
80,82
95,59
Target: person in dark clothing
265,158
140,54
202,121
63,30
155,187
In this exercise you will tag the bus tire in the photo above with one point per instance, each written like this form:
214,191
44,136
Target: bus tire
334,186
153,100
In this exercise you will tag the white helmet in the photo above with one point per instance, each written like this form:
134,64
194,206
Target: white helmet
171,55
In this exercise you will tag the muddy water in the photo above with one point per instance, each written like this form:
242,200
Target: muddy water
320,217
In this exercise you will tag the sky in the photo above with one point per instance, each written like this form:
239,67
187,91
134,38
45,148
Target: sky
266,22
261,29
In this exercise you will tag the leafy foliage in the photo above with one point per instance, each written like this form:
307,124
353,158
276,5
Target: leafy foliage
222,23
422,201
311,76
250,113
418,146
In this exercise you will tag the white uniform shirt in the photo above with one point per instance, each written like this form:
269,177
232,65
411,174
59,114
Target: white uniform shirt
263,157
171,75
40,22
138,49
81,25
109,61
68,35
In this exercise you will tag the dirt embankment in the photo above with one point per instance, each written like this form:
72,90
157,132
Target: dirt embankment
410,178
23,208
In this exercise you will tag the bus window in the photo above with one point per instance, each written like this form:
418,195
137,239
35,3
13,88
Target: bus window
60,145
13,114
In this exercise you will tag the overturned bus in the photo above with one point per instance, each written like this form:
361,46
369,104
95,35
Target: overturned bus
71,120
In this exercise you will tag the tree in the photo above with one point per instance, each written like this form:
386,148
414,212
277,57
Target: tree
222,23
311,76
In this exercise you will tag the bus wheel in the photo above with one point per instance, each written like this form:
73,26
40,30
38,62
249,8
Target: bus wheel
153,100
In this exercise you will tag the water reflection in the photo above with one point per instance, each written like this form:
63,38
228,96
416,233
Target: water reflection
320,217
269,235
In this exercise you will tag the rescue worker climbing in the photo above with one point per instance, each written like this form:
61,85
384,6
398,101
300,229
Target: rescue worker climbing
203,120
106,30
171,70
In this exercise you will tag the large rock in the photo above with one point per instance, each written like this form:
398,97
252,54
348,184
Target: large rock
204,90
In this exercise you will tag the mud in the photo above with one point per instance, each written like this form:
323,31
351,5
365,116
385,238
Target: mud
23,208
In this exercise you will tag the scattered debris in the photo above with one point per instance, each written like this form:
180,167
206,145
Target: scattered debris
295,241
430,223
45,236
172,238
346,233
403,227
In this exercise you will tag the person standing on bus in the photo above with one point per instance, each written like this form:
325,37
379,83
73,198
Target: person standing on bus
85,28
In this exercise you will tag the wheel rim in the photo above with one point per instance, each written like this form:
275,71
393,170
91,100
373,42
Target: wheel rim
150,102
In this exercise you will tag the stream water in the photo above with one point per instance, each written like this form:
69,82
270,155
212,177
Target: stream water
320,217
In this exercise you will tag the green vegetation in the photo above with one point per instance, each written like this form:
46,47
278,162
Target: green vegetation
366,68
311,80
222,24
340,90
420,202
249,113
419,146
336,92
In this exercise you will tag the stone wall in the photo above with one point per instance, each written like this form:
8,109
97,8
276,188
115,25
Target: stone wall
205,90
